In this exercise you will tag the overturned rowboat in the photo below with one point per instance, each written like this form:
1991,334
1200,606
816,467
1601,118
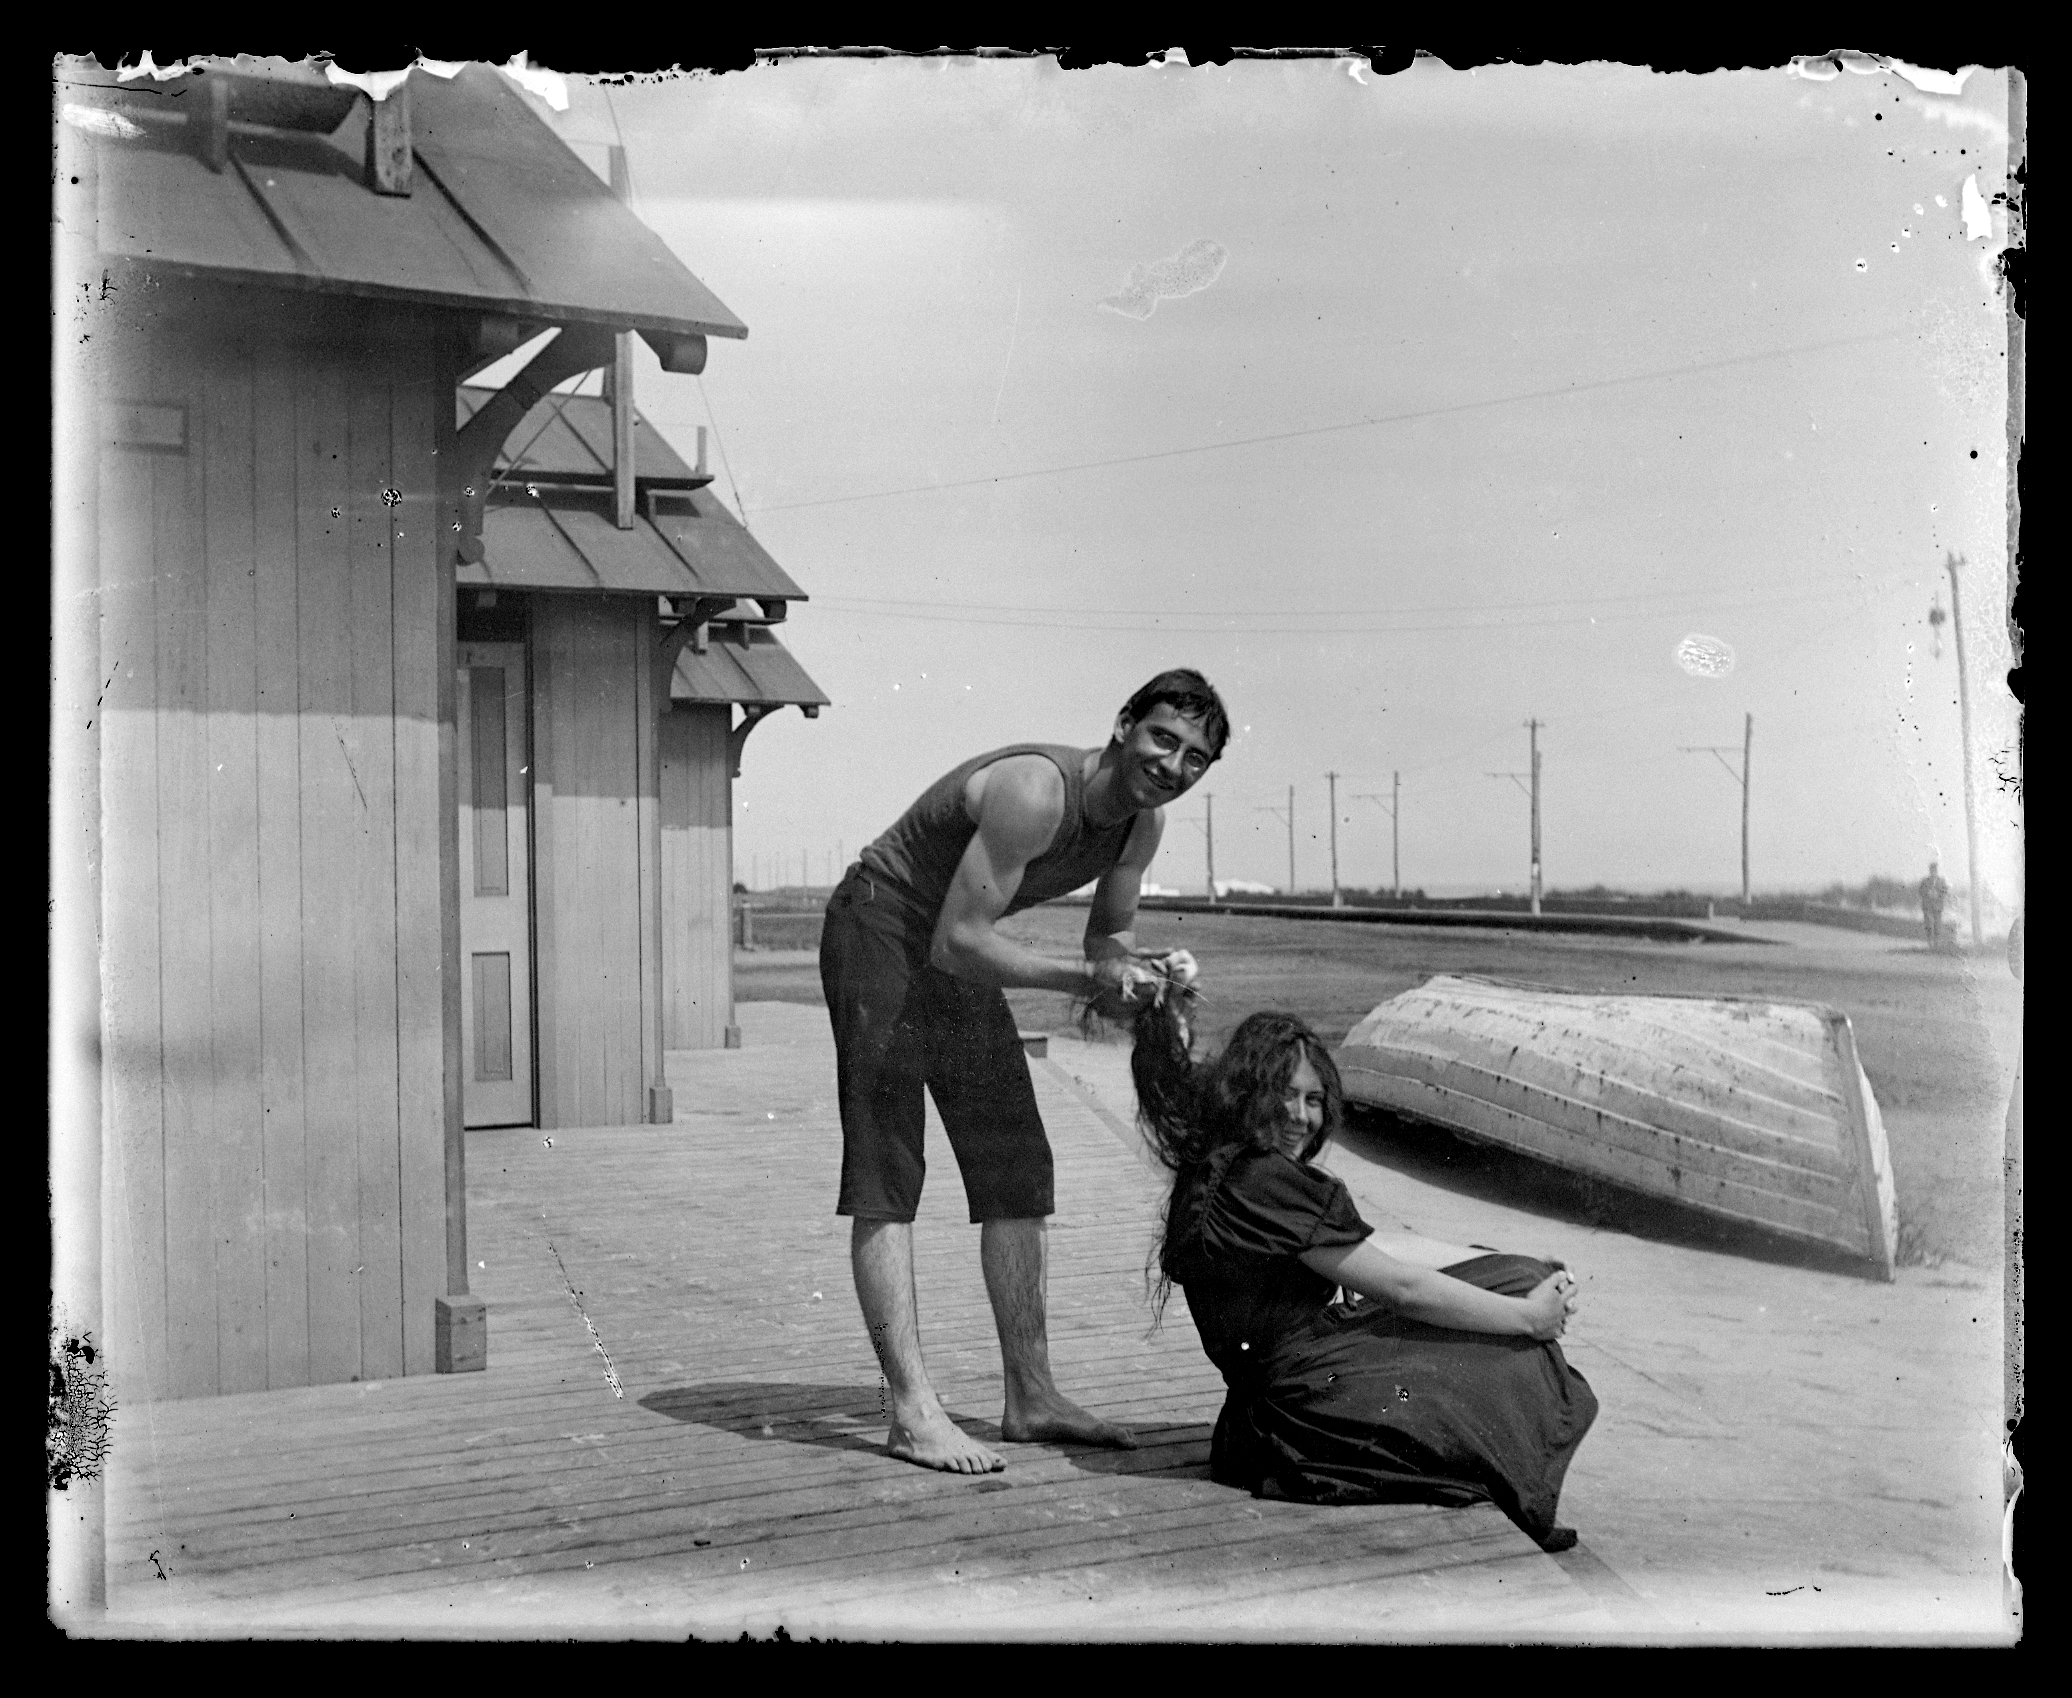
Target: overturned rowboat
1755,1111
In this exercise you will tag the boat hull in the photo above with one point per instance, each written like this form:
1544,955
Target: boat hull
1754,1111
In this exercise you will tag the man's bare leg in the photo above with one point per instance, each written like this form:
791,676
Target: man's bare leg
881,1255
1013,1254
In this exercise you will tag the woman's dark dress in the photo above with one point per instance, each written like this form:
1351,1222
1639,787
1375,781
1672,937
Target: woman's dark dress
1342,1403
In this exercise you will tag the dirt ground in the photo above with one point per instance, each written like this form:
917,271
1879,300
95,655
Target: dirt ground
1939,1035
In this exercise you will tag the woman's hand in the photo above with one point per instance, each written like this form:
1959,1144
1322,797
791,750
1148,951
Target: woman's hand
1550,1304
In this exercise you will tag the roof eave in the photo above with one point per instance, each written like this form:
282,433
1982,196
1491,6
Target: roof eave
526,307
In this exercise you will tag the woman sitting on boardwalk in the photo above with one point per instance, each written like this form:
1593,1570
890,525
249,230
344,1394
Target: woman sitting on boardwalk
1432,1386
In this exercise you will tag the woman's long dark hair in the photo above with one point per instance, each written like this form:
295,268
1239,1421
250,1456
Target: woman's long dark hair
1200,1115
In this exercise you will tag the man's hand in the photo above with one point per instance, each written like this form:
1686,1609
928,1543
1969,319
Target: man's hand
1125,981
1122,984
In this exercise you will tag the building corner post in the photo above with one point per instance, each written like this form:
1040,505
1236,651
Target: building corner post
460,1320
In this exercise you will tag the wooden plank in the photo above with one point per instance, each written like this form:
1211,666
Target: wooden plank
680,1024
760,1443
453,1108
1412,1077
1805,1217
276,700
1694,1095
549,1028
237,1131
421,662
624,666
1772,1048
331,818
649,704
697,945
591,942
713,828
183,897
372,892
615,878
134,1057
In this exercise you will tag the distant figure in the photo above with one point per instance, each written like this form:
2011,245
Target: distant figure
1935,891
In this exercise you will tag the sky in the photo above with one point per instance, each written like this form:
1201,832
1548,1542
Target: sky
1492,388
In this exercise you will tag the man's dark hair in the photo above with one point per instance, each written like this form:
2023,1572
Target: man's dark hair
1189,694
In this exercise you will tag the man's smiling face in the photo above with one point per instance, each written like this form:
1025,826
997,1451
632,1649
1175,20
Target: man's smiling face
1163,756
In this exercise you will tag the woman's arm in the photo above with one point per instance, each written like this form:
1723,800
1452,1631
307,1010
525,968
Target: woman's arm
1424,1294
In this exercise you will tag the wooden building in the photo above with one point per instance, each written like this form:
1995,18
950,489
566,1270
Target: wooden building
412,776
580,596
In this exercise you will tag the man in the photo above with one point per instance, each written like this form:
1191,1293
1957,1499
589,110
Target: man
1934,893
914,967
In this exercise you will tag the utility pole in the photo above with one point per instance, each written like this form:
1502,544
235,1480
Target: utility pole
1208,828
1289,816
1291,834
1337,900
1719,753
1393,804
1519,779
1533,726
1951,562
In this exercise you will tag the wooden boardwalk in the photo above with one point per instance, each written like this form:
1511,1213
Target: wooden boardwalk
678,1432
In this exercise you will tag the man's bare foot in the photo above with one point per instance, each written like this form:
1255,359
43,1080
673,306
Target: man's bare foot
930,1439
1054,1419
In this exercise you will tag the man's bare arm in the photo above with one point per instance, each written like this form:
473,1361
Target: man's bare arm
1111,924
1020,808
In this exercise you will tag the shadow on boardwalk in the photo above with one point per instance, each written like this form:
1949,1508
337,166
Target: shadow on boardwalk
852,1418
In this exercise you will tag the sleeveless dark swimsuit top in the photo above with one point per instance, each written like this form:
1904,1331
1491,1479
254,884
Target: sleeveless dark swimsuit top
918,855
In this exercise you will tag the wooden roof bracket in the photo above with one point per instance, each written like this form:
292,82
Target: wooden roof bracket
579,348
692,616
752,715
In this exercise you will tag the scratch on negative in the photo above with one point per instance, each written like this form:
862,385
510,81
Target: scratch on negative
610,1373
349,767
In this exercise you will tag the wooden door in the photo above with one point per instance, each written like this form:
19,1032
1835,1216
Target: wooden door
496,886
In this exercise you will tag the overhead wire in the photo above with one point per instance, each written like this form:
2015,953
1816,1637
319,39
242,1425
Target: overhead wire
1411,415
1250,624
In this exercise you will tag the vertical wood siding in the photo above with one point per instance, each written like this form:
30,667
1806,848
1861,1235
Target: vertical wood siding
592,766
697,878
271,808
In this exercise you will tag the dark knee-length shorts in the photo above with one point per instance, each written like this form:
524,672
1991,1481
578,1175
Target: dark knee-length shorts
902,1027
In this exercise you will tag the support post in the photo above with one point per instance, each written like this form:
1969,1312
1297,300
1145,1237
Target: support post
1210,801
1952,562
390,161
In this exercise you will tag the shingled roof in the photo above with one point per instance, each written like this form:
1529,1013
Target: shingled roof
259,173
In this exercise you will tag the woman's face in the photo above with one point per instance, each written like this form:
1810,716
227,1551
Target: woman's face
1302,1108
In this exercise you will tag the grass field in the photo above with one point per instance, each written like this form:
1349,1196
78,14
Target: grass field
1938,1035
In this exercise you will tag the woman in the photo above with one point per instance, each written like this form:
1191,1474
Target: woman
1431,1386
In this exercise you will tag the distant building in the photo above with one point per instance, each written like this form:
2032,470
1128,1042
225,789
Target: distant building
1244,887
